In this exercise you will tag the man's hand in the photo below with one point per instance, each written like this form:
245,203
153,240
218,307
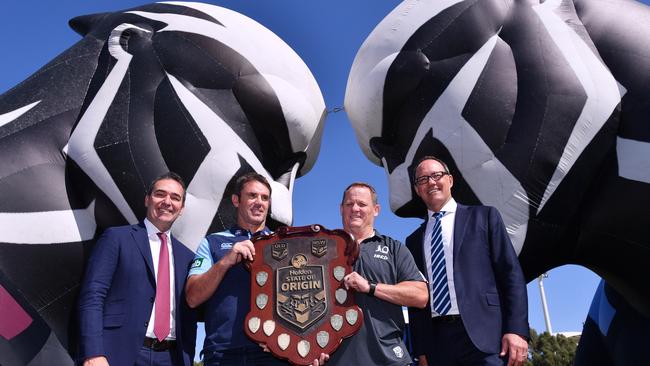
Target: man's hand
324,357
516,347
422,361
355,281
96,361
242,250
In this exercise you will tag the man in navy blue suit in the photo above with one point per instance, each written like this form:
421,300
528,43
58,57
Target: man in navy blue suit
478,308
132,308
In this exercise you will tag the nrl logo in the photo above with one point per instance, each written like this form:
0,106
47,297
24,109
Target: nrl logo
301,297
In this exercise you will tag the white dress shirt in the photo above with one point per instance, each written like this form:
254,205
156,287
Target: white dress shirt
154,244
447,223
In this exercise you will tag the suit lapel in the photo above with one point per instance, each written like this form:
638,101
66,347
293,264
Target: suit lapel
142,241
460,224
180,268
418,256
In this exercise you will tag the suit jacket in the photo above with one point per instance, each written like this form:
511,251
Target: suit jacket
117,295
489,283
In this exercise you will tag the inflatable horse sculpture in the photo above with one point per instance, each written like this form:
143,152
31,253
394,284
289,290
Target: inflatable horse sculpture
188,87
541,109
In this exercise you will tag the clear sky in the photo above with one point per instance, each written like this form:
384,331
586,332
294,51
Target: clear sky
327,35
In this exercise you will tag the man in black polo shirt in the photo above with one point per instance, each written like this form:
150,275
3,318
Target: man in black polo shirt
385,278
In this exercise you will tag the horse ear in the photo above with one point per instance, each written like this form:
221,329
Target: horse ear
84,23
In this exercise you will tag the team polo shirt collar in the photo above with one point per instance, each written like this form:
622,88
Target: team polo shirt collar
375,237
237,230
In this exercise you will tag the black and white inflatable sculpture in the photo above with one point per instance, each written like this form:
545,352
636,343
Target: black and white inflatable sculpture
542,109
188,87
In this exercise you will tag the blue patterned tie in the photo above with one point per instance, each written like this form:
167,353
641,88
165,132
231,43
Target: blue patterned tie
440,292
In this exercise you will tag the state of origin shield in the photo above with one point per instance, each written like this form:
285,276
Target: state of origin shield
299,305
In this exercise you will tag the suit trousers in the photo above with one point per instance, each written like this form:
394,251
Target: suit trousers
149,357
451,346
244,356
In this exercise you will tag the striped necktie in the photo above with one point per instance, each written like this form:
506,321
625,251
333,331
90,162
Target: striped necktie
440,289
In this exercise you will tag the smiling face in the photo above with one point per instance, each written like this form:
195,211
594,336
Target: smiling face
358,212
165,203
252,205
433,193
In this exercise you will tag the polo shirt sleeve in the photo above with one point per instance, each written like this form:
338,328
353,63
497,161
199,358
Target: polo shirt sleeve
202,259
407,270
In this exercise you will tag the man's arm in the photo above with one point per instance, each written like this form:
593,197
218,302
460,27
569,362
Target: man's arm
405,293
509,277
512,287
94,288
201,287
419,319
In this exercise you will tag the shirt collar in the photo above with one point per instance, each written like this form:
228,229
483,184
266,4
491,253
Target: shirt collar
152,230
237,230
449,207
375,234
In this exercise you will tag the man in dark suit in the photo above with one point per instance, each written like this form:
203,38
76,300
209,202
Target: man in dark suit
478,308
132,308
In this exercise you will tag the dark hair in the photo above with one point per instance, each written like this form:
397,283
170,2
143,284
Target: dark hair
248,177
373,193
429,157
168,175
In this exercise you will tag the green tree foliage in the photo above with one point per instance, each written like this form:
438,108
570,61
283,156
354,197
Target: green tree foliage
551,350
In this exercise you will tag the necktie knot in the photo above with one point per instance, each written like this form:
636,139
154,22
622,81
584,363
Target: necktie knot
438,215
162,237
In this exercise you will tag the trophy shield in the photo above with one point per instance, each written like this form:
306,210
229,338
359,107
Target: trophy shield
299,305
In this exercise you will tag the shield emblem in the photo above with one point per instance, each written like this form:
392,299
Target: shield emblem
300,307
301,298
279,251
319,247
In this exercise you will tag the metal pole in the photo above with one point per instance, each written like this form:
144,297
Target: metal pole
547,316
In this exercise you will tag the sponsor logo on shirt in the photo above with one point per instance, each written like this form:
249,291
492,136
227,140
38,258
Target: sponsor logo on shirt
197,263
381,252
226,245
397,350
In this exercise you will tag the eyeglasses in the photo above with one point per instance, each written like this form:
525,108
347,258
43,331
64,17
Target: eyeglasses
424,179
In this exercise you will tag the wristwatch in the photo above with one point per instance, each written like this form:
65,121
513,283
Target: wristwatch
373,286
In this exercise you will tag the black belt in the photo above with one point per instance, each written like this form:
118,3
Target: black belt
158,346
445,319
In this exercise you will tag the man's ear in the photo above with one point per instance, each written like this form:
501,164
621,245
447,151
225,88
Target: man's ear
377,209
235,200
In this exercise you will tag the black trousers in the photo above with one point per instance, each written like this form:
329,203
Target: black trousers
451,346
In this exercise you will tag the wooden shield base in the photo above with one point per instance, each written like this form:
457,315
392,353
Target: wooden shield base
299,305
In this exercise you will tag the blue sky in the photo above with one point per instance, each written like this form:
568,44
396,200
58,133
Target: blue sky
327,35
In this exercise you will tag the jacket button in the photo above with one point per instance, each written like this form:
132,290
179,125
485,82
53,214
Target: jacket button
146,324
151,300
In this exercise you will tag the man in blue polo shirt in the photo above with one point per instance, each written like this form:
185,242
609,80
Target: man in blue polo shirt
217,279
